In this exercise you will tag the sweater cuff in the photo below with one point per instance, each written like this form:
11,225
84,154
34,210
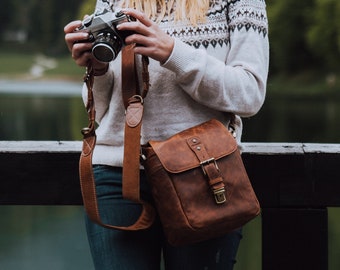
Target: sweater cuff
182,54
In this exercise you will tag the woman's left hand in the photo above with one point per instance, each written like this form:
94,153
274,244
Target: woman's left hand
150,39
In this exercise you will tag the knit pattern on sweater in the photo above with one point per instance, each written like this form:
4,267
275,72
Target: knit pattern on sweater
246,14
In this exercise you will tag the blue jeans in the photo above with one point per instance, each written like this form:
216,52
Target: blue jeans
146,249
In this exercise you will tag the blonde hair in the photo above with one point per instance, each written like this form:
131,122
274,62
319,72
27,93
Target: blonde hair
191,10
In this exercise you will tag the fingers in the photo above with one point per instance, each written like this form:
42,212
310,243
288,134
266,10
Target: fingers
139,16
79,48
72,36
136,27
83,59
151,40
70,27
144,28
77,44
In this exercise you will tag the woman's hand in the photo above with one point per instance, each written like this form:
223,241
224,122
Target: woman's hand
81,49
151,41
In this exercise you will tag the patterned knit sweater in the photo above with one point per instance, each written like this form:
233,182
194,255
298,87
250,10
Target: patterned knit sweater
219,66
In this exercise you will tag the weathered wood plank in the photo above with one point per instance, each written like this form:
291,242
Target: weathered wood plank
40,146
39,173
283,174
295,184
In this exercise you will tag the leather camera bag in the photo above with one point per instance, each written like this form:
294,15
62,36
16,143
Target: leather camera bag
199,184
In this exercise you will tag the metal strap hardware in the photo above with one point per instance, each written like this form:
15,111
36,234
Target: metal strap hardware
219,192
220,195
208,161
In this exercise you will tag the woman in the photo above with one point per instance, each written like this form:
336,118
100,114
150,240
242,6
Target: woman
206,58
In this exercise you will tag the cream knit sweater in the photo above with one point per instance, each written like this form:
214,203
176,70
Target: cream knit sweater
217,67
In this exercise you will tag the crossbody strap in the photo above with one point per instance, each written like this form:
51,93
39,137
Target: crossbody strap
133,102
134,112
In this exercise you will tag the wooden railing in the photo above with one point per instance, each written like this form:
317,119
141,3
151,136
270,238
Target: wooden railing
295,184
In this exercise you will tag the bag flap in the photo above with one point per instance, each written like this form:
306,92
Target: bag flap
176,155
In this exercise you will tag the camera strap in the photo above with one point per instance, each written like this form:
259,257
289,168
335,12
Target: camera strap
133,101
130,82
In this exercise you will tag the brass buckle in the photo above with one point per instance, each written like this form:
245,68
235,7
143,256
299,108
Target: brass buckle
206,162
219,195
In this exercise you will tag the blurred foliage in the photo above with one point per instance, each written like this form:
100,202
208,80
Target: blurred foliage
304,35
87,8
288,25
323,35
40,23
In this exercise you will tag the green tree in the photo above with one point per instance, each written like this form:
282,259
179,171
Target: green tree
5,15
288,23
87,8
13,16
48,19
323,36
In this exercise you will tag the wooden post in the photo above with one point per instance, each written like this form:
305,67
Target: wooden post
294,239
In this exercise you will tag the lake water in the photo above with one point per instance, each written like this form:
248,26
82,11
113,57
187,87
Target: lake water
53,110
43,237
40,238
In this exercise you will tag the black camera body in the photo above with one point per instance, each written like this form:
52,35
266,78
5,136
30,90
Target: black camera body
102,29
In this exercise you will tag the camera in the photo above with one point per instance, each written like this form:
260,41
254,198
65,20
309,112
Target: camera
102,29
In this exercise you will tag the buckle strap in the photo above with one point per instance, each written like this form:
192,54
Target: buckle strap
210,169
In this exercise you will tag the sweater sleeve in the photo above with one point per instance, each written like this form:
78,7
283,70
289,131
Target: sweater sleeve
235,84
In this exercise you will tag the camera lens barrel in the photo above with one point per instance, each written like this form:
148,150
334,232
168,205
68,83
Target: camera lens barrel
103,52
106,47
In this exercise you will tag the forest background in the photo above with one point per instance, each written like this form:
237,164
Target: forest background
304,35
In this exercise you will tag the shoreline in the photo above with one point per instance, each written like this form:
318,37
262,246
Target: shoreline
46,87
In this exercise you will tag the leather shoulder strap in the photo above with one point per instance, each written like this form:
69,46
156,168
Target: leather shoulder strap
131,184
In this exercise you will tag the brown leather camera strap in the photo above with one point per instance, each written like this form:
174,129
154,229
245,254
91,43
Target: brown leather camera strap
133,102
134,112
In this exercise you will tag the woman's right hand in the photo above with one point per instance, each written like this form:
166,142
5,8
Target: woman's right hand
79,47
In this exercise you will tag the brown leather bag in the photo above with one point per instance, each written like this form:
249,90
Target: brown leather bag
199,184
198,181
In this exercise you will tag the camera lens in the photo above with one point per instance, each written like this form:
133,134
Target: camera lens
103,52
106,47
